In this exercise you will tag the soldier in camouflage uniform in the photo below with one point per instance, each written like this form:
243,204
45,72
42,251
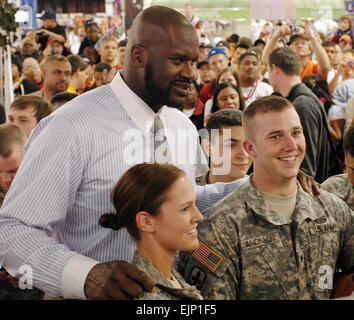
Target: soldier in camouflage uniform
342,185
162,217
249,248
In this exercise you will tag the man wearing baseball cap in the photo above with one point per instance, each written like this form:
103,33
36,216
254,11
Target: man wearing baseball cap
233,41
226,46
303,44
217,61
50,28
205,73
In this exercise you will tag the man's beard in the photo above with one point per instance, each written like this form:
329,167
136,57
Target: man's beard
158,96
61,87
3,190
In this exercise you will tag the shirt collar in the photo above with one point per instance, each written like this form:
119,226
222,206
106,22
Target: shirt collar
256,202
139,112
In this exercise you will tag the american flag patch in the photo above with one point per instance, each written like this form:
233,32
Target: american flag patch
207,257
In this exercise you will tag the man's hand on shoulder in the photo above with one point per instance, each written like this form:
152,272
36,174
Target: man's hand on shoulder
309,184
117,280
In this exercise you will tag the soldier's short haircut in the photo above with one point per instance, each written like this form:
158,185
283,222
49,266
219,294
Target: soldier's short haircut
224,118
41,107
287,60
263,105
10,135
348,142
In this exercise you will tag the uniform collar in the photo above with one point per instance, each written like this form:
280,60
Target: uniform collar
256,202
160,279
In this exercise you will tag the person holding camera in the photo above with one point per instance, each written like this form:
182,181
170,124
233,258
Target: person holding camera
49,29
54,46
304,44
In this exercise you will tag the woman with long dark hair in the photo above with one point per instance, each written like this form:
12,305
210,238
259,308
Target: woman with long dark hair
227,95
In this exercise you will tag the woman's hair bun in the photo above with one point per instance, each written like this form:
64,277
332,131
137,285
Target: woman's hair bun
110,220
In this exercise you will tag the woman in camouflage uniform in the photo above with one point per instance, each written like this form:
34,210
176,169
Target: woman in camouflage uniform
156,203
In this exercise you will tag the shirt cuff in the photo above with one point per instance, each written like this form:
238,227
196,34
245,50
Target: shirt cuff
74,276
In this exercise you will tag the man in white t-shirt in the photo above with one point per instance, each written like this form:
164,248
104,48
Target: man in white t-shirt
250,86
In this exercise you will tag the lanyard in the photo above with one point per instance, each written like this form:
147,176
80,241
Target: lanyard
252,91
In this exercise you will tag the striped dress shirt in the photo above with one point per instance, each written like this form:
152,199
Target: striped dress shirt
73,158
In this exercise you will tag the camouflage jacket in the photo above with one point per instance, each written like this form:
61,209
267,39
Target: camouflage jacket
163,289
248,251
341,186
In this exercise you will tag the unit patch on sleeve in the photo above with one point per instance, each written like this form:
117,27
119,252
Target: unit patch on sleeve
197,277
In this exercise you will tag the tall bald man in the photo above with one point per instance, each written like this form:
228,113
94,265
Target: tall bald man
77,154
